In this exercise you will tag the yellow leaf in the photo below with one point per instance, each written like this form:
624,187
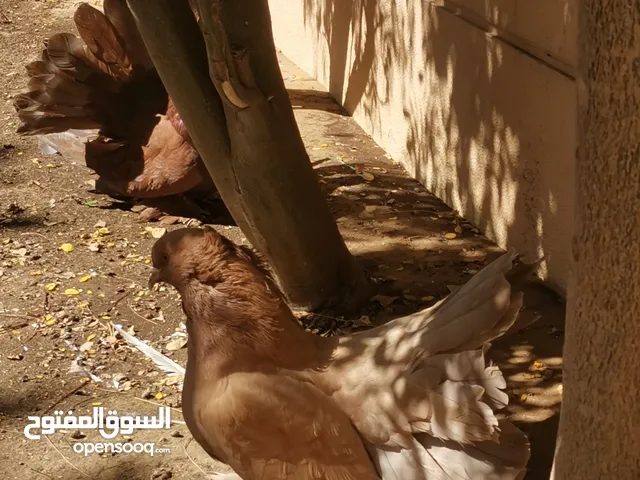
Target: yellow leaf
450,235
111,245
106,317
66,248
368,176
96,404
89,292
156,232
49,320
104,231
33,274
324,145
50,287
91,337
83,305
86,278
72,291
159,396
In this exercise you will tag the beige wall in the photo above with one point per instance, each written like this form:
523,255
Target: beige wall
474,97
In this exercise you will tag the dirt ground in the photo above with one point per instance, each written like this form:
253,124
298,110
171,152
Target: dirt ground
56,305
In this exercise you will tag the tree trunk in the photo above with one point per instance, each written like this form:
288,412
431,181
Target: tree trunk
599,434
241,121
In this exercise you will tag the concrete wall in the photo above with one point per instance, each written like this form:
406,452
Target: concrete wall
476,98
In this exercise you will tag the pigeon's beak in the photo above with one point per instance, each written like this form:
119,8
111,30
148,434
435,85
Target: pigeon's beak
154,278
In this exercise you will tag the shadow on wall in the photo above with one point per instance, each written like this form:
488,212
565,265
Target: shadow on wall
487,128
484,125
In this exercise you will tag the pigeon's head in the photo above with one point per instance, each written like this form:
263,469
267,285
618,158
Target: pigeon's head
203,255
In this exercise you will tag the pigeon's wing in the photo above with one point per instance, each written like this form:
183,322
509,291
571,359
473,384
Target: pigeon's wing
275,426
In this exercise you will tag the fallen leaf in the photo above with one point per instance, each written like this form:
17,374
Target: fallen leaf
450,235
91,203
34,274
50,287
91,337
156,232
19,252
176,344
72,291
96,404
368,176
95,247
104,231
384,300
159,396
363,321
86,278
427,298
173,380
66,247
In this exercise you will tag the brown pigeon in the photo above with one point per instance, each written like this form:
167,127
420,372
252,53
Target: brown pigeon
413,399
97,98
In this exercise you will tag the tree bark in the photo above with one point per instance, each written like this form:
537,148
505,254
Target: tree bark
599,435
241,121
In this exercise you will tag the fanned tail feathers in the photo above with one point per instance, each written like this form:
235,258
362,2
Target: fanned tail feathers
434,459
454,391
78,82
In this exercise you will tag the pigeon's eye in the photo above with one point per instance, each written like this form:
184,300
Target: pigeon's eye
165,257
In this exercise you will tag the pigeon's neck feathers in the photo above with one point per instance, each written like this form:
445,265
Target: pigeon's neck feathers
248,322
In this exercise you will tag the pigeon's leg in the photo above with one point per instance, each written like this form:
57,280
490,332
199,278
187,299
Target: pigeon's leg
176,208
